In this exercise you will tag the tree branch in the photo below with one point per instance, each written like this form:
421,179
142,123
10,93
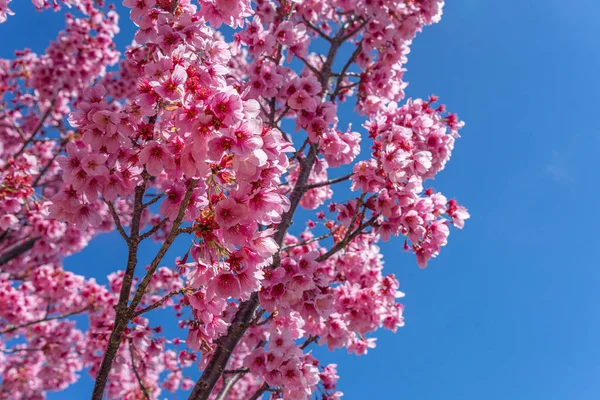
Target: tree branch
47,166
342,244
37,129
117,220
135,371
229,384
154,200
316,29
340,78
309,241
45,319
330,182
17,250
157,304
311,339
261,390
122,315
154,229
141,290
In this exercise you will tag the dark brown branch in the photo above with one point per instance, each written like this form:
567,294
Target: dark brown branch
37,129
154,229
309,241
311,339
187,229
48,165
117,220
330,182
261,390
316,29
236,371
135,371
283,114
338,84
157,304
226,344
308,65
141,290
154,200
122,314
299,151
45,319
342,244
17,250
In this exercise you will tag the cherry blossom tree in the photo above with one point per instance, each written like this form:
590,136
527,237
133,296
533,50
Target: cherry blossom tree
213,127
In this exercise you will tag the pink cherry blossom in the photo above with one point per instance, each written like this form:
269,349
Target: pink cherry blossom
209,142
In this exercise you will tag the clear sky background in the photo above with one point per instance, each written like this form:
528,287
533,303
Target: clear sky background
510,308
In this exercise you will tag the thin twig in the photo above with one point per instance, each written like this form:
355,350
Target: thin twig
187,229
117,220
308,341
154,229
354,32
342,244
340,78
283,113
308,65
135,371
161,252
47,166
261,390
309,241
37,128
17,250
316,29
16,327
157,304
330,182
12,351
154,200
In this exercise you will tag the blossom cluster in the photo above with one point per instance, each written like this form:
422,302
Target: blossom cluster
215,143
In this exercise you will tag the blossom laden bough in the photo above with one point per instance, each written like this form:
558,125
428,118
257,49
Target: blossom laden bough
214,143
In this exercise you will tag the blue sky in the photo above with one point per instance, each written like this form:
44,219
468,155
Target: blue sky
508,311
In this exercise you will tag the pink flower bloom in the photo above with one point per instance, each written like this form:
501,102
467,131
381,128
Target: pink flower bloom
171,88
156,157
226,285
301,100
228,106
139,8
229,213
85,215
8,221
107,121
93,164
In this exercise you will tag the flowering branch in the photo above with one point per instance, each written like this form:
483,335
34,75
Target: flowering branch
135,371
117,221
18,250
314,28
329,182
154,229
45,319
216,366
158,303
